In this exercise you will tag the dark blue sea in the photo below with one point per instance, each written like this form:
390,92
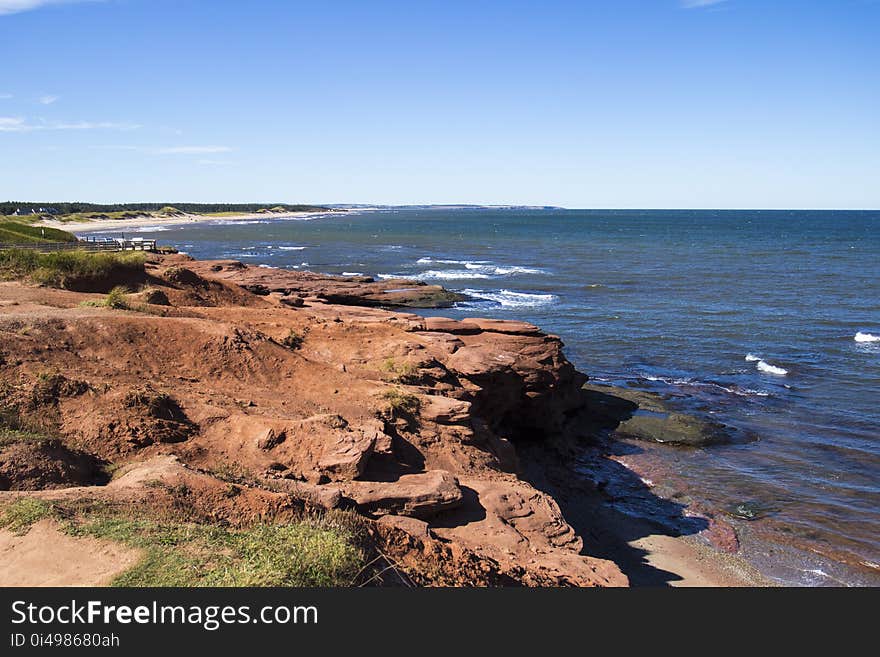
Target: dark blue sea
768,321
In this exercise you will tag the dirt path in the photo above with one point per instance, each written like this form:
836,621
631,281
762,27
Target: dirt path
46,556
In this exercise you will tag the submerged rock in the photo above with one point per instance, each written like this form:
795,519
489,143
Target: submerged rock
672,428
750,510
643,415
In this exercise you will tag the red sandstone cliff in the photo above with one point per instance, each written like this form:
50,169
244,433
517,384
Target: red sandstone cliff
412,421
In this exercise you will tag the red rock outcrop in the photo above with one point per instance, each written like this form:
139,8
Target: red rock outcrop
412,421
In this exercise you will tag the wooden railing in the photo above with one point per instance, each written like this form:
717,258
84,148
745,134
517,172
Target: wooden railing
85,245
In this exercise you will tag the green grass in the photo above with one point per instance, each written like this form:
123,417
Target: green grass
403,372
59,268
11,435
115,299
16,429
293,340
17,231
24,512
314,551
400,403
84,217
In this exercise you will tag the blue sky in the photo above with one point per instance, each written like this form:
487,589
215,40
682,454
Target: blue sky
612,103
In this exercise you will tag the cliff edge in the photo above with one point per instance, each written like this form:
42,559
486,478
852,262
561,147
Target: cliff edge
245,395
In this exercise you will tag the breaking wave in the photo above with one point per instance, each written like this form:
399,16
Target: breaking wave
446,275
485,268
733,390
147,229
764,366
511,299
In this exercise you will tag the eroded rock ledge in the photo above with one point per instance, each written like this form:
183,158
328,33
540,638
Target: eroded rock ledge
295,388
345,290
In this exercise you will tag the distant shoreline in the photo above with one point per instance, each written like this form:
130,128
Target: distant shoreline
110,225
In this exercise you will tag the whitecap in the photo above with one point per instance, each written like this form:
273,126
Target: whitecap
766,367
449,275
866,337
352,273
483,266
504,271
511,299
427,260
740,392
292,248
147,229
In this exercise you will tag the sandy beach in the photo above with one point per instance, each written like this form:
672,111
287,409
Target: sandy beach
109,225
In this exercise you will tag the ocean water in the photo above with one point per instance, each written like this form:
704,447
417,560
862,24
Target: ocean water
765,321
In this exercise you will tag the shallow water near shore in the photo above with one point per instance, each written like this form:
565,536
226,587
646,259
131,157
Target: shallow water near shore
765,321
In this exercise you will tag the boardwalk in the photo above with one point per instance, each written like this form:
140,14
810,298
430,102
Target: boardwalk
89,244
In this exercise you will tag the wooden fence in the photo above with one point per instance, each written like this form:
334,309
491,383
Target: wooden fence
85,245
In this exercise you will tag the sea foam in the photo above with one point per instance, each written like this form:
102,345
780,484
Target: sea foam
504,271
764,366
467,263
448,275
866,337
147,229
771,369
484,267
511,299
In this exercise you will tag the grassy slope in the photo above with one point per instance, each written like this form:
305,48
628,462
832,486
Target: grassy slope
16,231
320,550
81,217
56,269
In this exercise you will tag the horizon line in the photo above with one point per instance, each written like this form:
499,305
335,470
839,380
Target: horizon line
462,205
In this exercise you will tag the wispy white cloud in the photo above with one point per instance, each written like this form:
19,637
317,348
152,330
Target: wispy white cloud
47,100
92,125
169,150
17,6
11,124
695,4
115,147
192,150
18,124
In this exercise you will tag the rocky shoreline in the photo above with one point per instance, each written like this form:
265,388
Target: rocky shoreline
472,449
